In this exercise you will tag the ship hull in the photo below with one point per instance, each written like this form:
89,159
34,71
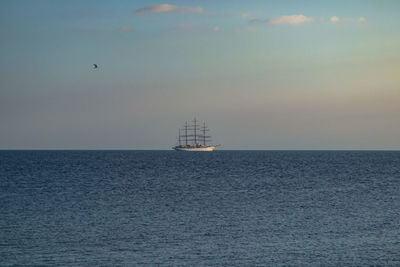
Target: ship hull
208,148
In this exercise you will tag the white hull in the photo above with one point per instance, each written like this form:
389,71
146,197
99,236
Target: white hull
208,148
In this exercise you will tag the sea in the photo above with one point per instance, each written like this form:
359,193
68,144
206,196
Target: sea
221,208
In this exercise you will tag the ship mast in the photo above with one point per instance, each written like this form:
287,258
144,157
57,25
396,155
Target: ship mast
204,133
195,130
186,135
205,137
193,137
179,138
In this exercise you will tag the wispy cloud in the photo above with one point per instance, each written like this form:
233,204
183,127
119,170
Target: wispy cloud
252,29
124,29
190,27
162,8
334,19
242,15
255,21
354,20
293,19
185,27
247,29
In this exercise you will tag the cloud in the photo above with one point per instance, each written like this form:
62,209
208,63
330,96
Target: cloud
168,8
242,15
188,27
294,19
245,15
255,21
252,29
334,19
362,19
248,29
185,27
124,29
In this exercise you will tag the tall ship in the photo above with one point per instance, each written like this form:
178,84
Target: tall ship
193,137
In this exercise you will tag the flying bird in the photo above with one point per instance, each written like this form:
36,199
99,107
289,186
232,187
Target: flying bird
95,66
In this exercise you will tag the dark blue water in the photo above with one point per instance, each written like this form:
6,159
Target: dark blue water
167,208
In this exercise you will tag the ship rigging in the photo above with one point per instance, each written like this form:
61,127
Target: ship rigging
193,137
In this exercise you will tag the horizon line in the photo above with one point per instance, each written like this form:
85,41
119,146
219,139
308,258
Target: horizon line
115,149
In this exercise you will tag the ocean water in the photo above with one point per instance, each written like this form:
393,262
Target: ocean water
222,208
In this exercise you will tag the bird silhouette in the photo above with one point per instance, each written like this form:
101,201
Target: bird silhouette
95,66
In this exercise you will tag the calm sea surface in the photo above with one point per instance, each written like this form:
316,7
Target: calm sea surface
222,208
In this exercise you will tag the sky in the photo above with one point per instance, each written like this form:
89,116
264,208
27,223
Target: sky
262,74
